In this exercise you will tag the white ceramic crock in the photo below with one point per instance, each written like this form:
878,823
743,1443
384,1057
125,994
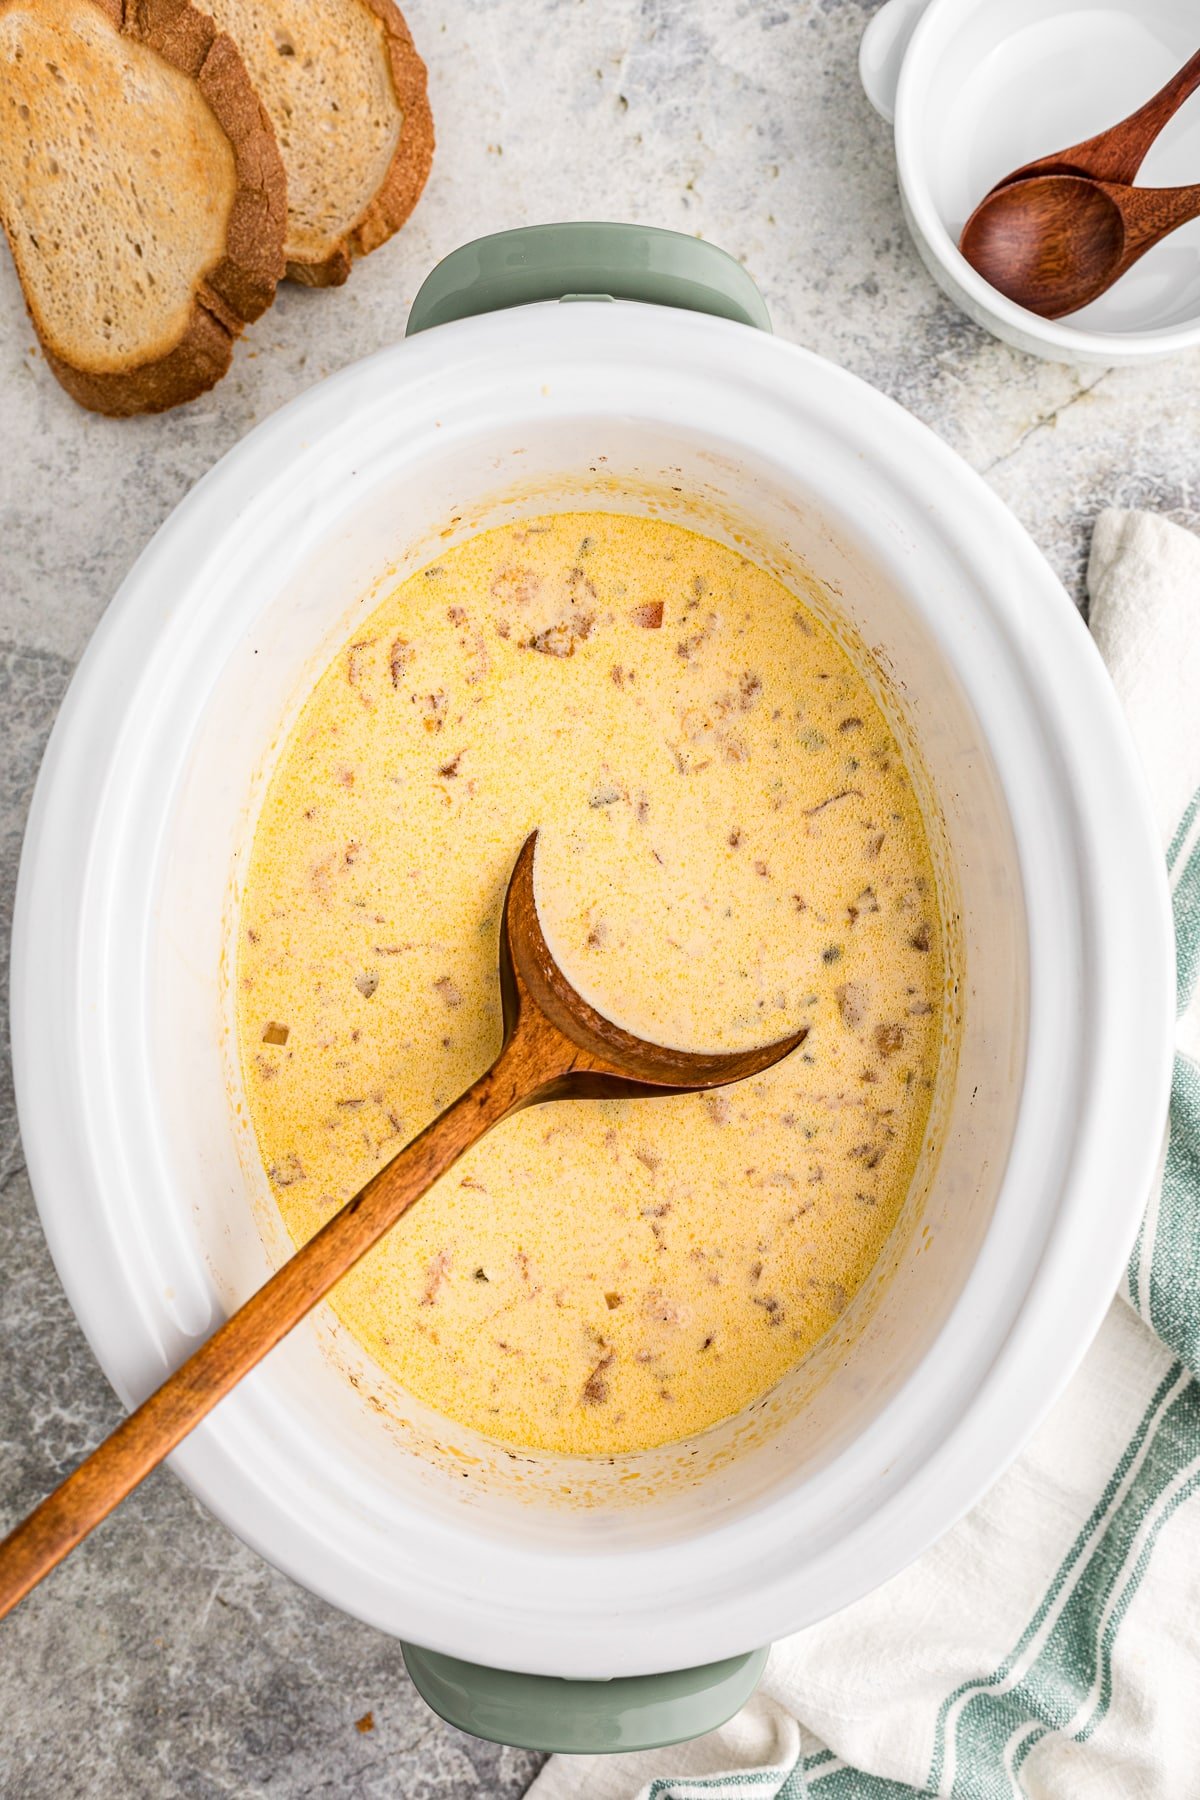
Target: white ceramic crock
157,1214
976,88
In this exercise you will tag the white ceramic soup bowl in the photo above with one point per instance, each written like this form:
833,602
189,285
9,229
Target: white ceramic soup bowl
978,87
152,1198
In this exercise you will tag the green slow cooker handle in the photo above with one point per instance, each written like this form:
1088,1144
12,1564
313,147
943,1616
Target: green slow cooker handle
586,262
547,1712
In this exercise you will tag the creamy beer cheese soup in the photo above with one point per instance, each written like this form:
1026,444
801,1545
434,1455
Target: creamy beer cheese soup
729,849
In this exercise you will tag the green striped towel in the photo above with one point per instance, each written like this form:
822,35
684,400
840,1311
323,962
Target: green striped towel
1049,1645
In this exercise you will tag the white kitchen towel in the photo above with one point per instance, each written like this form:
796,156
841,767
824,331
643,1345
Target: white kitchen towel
1049,1645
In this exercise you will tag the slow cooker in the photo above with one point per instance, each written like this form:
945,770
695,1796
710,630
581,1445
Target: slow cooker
572,1603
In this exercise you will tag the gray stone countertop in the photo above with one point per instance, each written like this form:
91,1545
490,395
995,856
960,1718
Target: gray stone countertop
165,1658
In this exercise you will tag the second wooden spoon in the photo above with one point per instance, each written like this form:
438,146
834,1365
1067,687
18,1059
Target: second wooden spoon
1054,243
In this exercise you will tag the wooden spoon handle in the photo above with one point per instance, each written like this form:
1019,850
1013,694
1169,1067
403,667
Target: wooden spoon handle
141,1441
1124,148
1118,153
1149,214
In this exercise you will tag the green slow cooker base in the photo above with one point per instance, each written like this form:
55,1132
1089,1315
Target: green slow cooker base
546,1712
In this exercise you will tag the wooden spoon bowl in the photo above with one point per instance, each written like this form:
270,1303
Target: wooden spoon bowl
1054,243
598,1059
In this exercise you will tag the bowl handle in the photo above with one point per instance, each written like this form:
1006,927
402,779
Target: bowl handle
586,262
882,49
546,1712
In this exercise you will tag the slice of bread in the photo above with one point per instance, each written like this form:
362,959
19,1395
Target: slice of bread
142,194
346,92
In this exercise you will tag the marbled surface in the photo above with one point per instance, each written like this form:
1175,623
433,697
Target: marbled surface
166,1659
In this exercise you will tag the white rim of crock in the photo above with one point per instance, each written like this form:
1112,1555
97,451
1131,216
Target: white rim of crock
230,1462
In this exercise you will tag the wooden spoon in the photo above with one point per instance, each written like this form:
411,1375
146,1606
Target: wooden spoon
555,1047
1053,243
1118,153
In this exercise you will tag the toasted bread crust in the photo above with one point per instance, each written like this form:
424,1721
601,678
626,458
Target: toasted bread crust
196,364
242,285
408,172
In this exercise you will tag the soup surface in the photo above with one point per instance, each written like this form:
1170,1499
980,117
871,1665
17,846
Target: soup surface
729,849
